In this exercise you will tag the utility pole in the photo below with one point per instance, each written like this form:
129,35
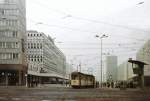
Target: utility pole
80,67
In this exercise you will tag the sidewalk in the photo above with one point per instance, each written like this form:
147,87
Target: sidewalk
13,87
126,89
53,85
41,86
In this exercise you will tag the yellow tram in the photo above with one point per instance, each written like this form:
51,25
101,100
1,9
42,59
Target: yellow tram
81,80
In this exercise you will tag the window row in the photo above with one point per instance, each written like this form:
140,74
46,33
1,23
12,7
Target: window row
9,45
5,22
8,33
37,34
7,1
9,11
34,46
35,58
9,56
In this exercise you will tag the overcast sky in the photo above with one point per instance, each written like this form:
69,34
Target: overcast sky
74,23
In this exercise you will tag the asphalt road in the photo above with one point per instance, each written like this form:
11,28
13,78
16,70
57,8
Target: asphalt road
69,94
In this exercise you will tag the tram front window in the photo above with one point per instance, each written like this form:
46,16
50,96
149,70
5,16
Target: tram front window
75,77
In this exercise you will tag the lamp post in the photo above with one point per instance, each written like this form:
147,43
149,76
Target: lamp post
101,38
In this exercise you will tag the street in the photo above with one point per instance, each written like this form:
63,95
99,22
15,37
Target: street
69,94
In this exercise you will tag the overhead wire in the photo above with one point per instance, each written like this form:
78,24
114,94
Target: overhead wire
96,43
76,29
91,20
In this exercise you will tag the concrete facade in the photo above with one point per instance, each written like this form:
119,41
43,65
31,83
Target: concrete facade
44,58
12,38
111,68
144,55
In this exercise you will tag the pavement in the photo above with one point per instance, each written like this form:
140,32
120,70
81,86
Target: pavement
63,93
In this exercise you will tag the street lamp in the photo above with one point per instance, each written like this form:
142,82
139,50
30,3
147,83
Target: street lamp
101,38
140,3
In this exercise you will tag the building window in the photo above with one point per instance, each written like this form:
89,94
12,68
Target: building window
2,23
5,56
16,45
9,11
2,44
7,1
15,56
35,59
41,59
28,45
9,45
31,45
34,45
2,11
7,33
40,46
8,22
37,45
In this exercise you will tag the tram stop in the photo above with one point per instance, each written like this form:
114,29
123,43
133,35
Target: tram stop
138,69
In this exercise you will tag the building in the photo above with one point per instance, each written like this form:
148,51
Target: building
125,71
47,64
144,55
111,68
12,37
122,72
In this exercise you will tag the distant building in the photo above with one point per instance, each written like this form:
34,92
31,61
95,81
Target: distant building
144,55
13,66
44,58
111,68
124,71
69,70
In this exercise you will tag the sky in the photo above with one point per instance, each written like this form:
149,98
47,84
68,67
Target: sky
74,23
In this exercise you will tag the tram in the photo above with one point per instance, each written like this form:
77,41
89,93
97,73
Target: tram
81,80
